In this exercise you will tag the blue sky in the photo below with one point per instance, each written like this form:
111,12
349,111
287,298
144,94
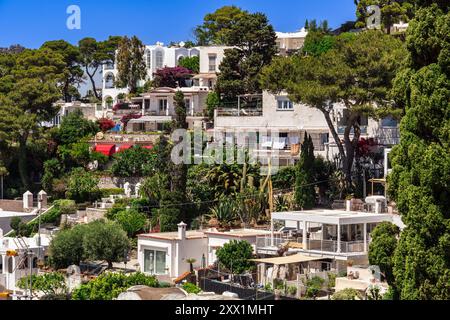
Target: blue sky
32,22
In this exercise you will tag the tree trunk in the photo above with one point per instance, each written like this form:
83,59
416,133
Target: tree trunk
66,91
23,169
110,265
91,77
342,152
350,145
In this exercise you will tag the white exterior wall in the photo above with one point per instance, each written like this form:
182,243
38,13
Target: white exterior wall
170,59
301,118
191,249
176,253
219,51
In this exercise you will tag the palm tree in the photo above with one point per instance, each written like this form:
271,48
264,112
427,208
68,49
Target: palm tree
191,262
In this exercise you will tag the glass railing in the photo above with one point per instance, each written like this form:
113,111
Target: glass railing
313,245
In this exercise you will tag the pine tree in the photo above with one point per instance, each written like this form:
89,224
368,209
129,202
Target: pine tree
130,63
304,188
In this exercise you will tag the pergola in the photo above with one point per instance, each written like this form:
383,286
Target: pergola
340,218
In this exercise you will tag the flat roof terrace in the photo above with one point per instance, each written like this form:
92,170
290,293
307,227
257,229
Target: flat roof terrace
337,217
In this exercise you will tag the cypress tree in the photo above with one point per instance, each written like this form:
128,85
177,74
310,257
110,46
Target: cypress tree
304,188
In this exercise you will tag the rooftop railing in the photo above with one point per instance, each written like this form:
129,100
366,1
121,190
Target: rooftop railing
235,112
329,246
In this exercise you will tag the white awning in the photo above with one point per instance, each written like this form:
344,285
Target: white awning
296,258
151,119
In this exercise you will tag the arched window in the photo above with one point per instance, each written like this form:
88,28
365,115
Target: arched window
159,59
109,101
109,81
194,53
148,59
179,59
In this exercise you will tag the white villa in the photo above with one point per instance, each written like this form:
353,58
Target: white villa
165,253
91,111
288,42
157,107
290,120
158,56
338,234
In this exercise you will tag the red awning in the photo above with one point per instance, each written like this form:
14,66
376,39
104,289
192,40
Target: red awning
106,149
125,147
148,147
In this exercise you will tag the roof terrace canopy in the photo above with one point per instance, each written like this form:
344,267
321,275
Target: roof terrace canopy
296,258
336,217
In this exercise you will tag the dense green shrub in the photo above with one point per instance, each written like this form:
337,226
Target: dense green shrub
109,285
347,294
292,290
98,240
235,256
191,288
82,186
131,220
314,286
105,193
66,248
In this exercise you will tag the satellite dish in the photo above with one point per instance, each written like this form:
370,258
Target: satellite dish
100,136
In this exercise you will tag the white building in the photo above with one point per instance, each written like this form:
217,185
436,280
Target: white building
156,57
336,234
289,42
165,253
91,111
157,107
17,266
210,59
276,113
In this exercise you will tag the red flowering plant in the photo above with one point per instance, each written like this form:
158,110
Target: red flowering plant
126,118
367,147
105,124
171,77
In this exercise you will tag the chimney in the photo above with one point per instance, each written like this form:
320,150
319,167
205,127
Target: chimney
182,231
42,199
28,200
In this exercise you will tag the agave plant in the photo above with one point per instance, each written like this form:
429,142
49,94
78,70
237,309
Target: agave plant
224,212
283,203
251,205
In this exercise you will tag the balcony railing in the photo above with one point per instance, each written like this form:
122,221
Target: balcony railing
341,130
234,112
388,135
330,246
